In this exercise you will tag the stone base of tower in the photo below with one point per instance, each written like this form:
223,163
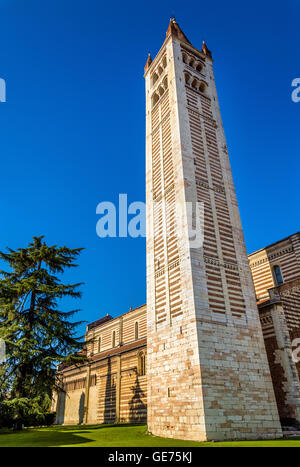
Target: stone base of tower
218,388
184,433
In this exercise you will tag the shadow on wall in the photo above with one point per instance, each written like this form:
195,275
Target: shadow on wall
137,408
110,396
61,405
81,409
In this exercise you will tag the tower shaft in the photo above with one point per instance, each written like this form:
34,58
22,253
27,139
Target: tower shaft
208,375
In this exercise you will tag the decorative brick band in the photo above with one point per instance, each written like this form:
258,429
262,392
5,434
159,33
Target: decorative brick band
217,189
216,262
272,256
200,114
171,266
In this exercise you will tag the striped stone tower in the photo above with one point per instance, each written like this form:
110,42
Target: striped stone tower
208,375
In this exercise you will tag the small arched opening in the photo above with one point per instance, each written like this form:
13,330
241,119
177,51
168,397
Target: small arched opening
202,87
191,62
194,83
161,90
142,364
155,99
187,78
154,78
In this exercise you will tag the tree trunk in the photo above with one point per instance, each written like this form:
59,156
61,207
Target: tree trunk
18,425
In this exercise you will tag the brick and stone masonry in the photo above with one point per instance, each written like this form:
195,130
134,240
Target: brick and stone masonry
276,276
112,385
208,374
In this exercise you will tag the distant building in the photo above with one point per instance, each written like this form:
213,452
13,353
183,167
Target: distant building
117,349
276,276
112,386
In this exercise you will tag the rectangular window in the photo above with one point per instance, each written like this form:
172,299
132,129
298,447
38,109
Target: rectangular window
136,331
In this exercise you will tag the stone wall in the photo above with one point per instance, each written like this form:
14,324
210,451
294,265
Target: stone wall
111,387
208,375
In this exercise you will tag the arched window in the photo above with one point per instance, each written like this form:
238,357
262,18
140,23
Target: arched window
142,364
164,62
187,78
154,78
191,62
202,87
194,83
184,58
277,275
155,99
114,339
199,67
161,90
136,331
165,82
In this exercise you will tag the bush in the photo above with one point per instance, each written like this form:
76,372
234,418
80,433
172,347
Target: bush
18,412
43,419
6,416
50,418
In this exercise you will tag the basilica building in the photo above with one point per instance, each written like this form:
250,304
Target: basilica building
116,391
211,356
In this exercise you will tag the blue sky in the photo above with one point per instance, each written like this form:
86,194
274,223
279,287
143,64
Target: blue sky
72,130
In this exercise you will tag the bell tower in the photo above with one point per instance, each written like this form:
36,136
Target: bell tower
208,375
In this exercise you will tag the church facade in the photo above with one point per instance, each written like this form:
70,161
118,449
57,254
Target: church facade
195,363
111,387
276,276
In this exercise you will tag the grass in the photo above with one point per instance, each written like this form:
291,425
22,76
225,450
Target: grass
113,436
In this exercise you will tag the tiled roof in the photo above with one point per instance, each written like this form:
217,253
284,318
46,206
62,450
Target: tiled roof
109,353
100,321
118,350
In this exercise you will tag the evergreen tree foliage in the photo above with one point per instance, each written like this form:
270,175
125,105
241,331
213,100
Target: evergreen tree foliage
38,335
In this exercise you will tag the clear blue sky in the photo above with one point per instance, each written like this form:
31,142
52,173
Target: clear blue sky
72,130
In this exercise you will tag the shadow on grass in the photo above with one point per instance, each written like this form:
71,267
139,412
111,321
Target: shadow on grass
32,438
92,427
54,435
93,435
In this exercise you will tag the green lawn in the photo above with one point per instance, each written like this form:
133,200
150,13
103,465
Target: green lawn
113,436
